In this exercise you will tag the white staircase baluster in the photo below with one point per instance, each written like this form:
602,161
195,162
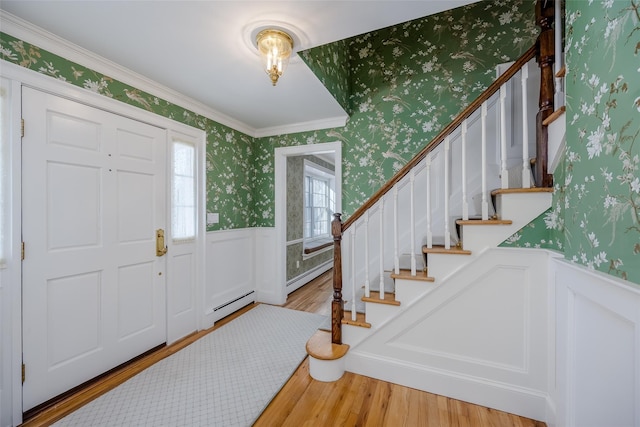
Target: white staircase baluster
428,171
367,285
412,223
526,165
447,191
485,203
381,247
353,272
504,173
396,255
465,203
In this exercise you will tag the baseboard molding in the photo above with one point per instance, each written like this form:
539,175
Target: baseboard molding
214,315
505,397
303,279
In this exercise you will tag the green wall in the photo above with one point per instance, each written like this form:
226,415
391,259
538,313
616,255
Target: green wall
594,219
403,83
229,152
407,82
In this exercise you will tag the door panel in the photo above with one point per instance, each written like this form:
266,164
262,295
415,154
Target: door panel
93,288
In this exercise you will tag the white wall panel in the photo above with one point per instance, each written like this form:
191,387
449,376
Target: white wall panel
598,349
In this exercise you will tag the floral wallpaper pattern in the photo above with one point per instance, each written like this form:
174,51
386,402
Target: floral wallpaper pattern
595,217
229,152
330,63
403,83
407,82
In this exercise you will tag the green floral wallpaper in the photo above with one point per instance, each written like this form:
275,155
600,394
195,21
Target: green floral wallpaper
407,82
330,63
403,83
229,152
595,217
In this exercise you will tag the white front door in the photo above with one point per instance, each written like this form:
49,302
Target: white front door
94,194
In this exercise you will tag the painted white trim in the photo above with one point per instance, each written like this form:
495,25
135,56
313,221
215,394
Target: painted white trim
281,154
24,77
304,278
332,122
46,40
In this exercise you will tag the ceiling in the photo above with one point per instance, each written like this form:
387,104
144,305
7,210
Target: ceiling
205,50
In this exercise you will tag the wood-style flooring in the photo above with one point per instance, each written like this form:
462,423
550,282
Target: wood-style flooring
354,400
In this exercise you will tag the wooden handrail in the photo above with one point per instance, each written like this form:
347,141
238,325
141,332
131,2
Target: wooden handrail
447,130
313,249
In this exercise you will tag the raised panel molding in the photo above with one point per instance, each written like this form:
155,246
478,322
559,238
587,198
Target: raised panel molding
597,348
480,336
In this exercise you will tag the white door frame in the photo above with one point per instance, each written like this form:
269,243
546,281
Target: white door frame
281,155
21,76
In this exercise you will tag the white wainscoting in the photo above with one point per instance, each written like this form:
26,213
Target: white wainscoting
479,336
240,269
230,272
597,349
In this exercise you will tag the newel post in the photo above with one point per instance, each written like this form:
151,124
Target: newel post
545,13
337,304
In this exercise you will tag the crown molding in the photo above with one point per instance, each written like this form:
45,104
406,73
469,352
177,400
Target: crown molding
331,122
37,36
30,33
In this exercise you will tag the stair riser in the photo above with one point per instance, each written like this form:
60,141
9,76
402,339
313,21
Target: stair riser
522,208
354,334
410,290
378,314
443,265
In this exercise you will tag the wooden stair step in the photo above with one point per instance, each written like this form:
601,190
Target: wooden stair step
484,222
522,190
440,249
320,347
360,320
389,298
554,116
421,275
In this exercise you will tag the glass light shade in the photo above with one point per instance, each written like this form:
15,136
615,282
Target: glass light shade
275,48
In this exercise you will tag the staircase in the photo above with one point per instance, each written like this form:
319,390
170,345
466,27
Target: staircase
419,280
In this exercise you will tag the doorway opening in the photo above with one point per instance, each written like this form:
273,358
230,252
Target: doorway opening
294,267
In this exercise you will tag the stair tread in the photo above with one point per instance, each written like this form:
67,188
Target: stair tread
320,347
484,222
389,298
440,249
522,190
554,116
406,274
360,320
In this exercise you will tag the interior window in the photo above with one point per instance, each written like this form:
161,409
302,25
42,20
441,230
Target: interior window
319,201
183,189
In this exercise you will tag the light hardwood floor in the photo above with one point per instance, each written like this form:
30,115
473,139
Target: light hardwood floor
354,400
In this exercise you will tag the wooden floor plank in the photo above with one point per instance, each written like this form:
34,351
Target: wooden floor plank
353,400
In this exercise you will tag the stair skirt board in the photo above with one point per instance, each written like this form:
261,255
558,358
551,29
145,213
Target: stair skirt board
459,340
521,401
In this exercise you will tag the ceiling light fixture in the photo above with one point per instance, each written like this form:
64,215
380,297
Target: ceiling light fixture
275,47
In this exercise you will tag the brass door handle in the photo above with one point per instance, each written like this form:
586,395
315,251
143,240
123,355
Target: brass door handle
161,249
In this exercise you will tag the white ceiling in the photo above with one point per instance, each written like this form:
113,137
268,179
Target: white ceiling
205,49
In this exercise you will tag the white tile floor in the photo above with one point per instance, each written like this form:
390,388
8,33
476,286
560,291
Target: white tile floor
226,378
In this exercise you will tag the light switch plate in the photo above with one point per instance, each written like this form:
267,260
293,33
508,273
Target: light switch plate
213,217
